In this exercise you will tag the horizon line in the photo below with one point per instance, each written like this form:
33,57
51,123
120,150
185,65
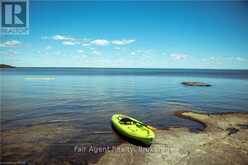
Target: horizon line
82,67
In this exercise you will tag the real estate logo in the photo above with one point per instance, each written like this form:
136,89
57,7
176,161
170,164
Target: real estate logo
14,17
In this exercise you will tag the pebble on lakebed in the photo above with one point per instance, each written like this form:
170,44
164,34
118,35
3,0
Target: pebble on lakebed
199,84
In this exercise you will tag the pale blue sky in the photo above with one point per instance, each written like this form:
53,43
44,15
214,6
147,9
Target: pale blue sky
132,34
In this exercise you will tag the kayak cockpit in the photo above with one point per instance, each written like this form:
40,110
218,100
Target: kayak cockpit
126,121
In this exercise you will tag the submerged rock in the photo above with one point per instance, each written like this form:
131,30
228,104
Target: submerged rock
200,84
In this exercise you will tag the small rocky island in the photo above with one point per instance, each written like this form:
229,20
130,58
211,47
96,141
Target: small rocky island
199,84
6,66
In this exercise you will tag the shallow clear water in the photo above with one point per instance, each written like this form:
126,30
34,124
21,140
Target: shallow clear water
87,98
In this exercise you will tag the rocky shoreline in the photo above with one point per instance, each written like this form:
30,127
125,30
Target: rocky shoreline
224,140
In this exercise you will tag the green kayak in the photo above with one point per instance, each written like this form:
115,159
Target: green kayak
133,128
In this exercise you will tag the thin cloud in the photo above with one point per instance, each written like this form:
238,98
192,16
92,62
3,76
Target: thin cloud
142,52
85,44
117,48
48,47
68,40
63,38
239,59
219,59
70,43
95,52
122,42
11,43
8,53
133,53
80,51
100,42
178,56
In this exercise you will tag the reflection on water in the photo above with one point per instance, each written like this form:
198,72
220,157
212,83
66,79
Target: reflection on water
56,111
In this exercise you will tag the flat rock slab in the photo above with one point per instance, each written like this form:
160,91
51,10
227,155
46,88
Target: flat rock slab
199,84
224,141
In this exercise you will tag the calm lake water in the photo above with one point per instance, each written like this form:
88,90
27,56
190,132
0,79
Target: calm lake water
87,98
91,96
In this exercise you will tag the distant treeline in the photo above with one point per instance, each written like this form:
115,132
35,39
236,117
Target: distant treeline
6,66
